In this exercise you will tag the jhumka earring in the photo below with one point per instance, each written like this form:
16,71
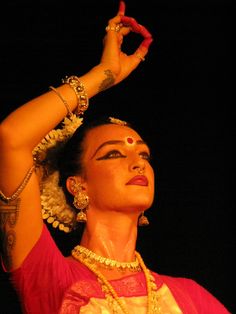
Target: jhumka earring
143,221
81,201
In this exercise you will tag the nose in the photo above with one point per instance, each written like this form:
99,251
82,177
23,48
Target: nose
138,166
140,170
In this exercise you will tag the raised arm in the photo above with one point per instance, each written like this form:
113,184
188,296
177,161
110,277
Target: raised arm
20,207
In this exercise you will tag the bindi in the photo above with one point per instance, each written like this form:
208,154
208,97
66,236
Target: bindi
129,140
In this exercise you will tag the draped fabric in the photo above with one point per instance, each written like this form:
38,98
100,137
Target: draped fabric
49,283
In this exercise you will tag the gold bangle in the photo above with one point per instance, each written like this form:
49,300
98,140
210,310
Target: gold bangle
69,112
78,87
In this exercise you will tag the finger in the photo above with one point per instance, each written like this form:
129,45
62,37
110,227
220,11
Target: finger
142,50
139,56
121,10
120,41
146,43
125,20
137,28
114,25
130,21
115,20
115,28
125,31
144,32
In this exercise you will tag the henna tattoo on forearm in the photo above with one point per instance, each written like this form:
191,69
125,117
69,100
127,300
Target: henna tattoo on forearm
108,82
9,212
8,243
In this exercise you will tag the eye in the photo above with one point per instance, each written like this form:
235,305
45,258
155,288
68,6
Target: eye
112,154
145,155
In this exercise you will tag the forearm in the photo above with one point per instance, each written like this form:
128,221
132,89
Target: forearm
27,125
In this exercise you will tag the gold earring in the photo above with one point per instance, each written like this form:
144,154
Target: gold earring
81,201
143,221
81,216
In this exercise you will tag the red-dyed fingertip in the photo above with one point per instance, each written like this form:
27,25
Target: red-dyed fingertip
146,43
144,32
125,20
131,22
122,8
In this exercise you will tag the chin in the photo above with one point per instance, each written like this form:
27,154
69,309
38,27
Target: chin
142,206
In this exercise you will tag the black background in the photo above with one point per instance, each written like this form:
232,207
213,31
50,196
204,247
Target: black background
180,98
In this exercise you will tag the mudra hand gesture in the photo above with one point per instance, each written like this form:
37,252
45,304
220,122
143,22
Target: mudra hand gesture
113,57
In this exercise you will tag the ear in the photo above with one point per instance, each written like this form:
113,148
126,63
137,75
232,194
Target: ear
72,184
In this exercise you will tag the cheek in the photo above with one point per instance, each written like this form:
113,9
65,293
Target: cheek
151,178
104,178
152,175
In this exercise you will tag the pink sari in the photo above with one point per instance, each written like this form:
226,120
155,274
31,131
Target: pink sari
49,283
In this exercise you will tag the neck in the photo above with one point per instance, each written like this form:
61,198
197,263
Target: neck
111,235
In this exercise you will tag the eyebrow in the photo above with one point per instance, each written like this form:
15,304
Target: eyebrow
139,142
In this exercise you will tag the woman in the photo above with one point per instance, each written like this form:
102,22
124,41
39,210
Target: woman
108,183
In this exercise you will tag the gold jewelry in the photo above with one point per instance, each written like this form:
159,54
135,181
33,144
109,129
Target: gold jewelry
69,112
108,263
140,171
143,221
140,56
81,201
8,199
117,121
113,28
81,216
82,98
110,293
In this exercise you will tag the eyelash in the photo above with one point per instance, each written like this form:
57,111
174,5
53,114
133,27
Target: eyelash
117,154
147,156
108,155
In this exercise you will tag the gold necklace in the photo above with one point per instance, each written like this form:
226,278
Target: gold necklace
104,261
110,293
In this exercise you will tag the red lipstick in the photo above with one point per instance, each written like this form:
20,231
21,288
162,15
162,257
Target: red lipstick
138,180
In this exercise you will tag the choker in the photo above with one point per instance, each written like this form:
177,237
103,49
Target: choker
91,257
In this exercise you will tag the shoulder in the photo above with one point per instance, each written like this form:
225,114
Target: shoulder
180,284
186,283
187,290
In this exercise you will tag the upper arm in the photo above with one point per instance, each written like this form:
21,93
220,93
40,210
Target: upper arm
20,217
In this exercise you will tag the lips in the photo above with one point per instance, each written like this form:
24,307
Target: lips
138,180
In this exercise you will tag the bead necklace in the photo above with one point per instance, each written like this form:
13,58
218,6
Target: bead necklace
106,262
110,293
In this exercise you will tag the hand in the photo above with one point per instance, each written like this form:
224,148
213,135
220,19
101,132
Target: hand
113,58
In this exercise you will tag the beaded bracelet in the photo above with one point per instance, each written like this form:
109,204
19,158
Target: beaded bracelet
78,87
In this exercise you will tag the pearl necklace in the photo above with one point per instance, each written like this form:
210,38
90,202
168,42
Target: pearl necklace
104,261
110,293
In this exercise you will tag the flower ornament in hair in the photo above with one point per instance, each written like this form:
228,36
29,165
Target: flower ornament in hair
56,136
55,209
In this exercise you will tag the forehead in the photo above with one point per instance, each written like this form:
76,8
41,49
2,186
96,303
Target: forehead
108,132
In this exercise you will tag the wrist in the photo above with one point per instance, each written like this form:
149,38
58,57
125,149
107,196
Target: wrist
80,92
98,79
